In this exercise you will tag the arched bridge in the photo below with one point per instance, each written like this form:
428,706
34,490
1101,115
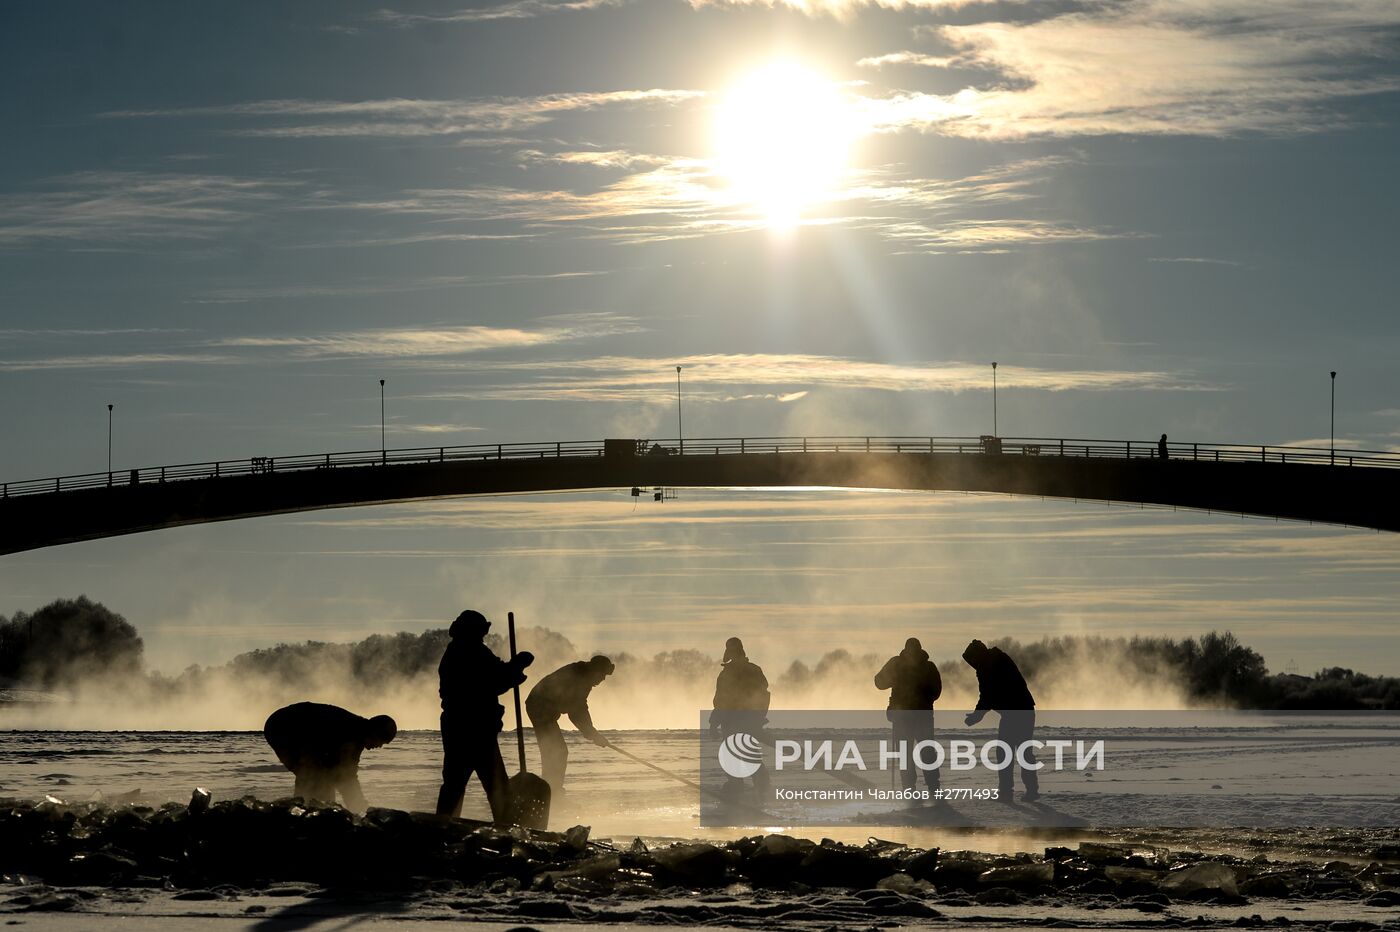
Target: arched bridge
1308,484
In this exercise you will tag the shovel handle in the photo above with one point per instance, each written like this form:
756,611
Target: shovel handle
519,723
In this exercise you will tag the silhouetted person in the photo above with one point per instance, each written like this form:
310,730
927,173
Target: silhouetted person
470,678
1003,690
1162,448
741,702
914,686
564,692
321,744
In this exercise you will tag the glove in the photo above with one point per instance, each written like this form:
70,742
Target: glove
974,717
601,741
524,659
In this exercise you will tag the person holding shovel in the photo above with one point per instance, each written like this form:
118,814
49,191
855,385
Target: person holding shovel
471,678
565,692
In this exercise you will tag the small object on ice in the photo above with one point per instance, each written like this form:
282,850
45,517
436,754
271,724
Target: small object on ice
1216,786
922,865
199,801
903,883
577,837
999,896
1131,875
1112,853
1019,875
1202,877
699,863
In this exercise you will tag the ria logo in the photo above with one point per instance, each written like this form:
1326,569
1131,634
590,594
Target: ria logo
740,755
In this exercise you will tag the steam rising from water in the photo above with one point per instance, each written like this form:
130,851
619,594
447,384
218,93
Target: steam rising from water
397,675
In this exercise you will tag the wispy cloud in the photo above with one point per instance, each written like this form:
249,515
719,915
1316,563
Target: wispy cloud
1195,260
842,8
110,361
411,428
784,377
1164,67
657,198
392,343
364,287
515,9
103,206
406,117
993,236
907,58
395,344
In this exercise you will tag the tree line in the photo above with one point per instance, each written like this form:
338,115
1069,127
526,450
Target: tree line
70,642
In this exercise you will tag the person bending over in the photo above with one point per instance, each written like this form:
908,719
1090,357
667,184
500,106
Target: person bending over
321,745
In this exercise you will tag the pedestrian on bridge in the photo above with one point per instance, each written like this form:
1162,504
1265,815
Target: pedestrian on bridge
565,692
321,745
470,678
1162,448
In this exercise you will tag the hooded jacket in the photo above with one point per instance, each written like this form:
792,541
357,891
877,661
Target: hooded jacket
470,677
564,692
912,680
741,685
999,681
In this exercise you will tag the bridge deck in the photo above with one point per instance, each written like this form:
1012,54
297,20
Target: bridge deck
1347,487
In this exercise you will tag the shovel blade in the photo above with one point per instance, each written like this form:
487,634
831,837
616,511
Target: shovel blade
527,801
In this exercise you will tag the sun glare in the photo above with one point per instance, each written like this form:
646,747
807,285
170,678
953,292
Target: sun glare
783,136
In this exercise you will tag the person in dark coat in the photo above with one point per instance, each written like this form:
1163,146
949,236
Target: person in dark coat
321,745
1003,690
564,692
741,702
471,678
914,686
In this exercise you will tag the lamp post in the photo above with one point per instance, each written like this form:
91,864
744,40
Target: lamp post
109,444
994,400
1333,434
680,425
383,449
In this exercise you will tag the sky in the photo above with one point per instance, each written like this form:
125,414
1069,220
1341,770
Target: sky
230,221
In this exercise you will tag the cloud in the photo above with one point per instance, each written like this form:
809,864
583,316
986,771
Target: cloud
656,198
407,117
786,377
400,427
994,236
1195,260
1161,67
109,361
907,58
350,289
842,9
109,206
403,343
515,9
391,343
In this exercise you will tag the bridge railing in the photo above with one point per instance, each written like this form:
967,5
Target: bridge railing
1005,446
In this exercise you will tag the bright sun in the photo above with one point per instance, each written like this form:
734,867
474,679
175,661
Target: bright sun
783,135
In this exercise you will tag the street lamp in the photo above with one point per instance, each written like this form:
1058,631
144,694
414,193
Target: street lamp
383,450
1333,458
994,400
680,429
109,444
